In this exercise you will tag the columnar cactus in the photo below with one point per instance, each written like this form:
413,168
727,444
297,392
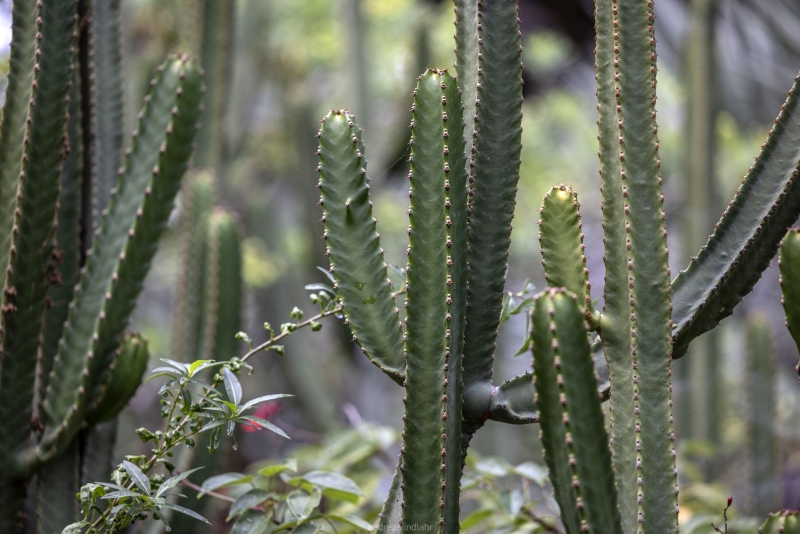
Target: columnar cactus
646,320
58,322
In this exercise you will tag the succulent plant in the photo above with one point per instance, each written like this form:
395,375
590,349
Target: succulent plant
79,248
462,206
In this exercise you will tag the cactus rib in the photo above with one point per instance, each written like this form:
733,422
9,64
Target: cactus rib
15,115
747,235
493,184
353,242
427,308
647,264
65,402
466,50
784,522
56,505
67,240
109,105
124,377
391,511
615,317
571,414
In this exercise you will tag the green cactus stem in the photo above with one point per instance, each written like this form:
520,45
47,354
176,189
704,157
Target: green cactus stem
214,42
784,522
392,510
221,300
13,129
466,50
561,239
763,449
121,251
571,420
353,243
108,97
67,240
428,301
29,273
790,283
56,505
747,235
198,197
492,190
124,377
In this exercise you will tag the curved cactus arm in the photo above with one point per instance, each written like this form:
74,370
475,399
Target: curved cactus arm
151,220
214,45
124,377
66,397
561,239
221,301
493,185
353,242
648,282
784,522
67,240
15,114
428,308
789,263
456,242
392,510
198,197
615,318
109,107
571,415
747,235
761,403
466,38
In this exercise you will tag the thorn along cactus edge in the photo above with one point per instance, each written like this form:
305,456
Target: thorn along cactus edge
463,183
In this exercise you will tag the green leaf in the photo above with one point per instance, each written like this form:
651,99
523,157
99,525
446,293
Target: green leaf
332,484
182,367
259,400
222,481
244,337
300,504
351,519
265,424
138,478
185,511
75,528
306,528
232,387
212,424
495,467
163,519
122,493
248,500
198,365
252,522
174,481
476,517
88,495
272,470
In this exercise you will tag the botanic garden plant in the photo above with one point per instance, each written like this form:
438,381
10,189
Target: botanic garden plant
462,205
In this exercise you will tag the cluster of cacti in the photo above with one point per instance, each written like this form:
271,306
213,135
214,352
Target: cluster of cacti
80,224
462,204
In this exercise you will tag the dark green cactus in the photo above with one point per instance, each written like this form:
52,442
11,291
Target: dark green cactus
639,331
761,402
790,283
61,323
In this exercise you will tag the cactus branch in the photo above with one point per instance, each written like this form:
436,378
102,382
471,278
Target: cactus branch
789,263
492,190
466,50
747,235
353,242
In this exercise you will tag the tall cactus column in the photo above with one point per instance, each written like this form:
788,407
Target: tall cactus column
648,271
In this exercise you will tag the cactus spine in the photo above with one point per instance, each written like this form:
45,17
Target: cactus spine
639,330
76,333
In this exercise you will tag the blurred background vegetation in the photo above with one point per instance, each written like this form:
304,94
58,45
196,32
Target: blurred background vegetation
723,69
